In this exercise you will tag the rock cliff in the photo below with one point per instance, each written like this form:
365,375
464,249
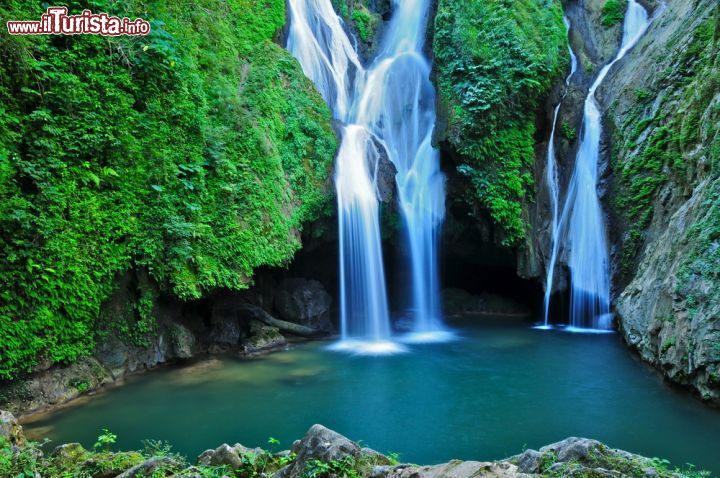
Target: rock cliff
663,117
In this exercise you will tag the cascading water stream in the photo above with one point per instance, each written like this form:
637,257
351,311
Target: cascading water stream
588,258
388,108
317,39
397,104
551,177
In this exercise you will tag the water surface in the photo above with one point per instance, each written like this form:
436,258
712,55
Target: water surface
501,388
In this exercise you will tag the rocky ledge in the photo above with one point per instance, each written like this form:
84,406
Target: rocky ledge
241,323
321,453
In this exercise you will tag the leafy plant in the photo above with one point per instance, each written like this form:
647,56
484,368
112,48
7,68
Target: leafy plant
105,440
345,467
568,131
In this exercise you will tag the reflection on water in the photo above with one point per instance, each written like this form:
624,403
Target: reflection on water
490,393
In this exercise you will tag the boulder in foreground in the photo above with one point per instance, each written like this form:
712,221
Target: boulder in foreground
321,453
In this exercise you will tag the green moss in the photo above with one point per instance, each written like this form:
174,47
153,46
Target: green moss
364,21
364,18
495,61
547,460
701,262
667,345
613,12
80,385
658,133
195,153
568,131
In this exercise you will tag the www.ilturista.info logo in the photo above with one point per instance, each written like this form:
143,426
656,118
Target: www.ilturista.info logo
56,21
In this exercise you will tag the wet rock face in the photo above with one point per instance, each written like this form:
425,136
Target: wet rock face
673,319
183,341
384,172
459,302
660,107
55,386
305,302
224,330
366,20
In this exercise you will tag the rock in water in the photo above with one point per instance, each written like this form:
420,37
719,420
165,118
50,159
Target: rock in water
262,338
10,429
304,302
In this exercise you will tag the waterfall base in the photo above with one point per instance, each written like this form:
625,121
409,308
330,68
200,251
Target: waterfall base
368,347
429,337
573,329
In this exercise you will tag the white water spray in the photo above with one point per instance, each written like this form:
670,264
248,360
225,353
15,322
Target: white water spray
317,38
551,177
387,108
588,258
398,104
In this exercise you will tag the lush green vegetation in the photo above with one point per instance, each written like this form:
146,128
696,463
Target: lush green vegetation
73,461
604,459
496,61
364,17
652,144
194,154
157,460
613,12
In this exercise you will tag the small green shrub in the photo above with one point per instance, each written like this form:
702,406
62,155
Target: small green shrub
345,467
80,385
105,440
568,131
364,22
547,460
613,12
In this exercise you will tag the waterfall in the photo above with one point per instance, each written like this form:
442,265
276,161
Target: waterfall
388,108
397,103
317,39
551,177
588,257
